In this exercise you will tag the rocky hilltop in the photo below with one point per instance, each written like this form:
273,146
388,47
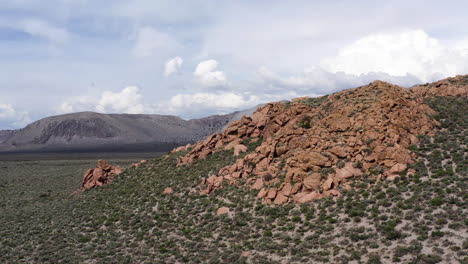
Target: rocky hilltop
311,147
453,86
118,132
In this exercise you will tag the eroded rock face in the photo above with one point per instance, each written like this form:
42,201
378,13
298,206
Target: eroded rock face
312,147
103,174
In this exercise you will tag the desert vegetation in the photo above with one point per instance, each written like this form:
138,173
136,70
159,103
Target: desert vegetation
421,218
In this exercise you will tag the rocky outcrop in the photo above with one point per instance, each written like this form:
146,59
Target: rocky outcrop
101,175
312,147
454,86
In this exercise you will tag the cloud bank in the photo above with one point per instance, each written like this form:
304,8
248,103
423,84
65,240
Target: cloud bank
411,52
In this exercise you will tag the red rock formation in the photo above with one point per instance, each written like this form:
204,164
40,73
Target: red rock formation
318,144
101,175
454,86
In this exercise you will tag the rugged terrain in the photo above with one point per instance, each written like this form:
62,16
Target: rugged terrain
310,147
375,174
88,131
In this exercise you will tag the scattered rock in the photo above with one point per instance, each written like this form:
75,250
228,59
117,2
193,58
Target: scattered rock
222,210
101,175
168,190
136,164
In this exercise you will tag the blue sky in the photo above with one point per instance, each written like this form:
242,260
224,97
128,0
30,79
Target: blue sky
195,58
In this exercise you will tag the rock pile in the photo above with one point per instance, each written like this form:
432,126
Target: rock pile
311,147
101,175
455,86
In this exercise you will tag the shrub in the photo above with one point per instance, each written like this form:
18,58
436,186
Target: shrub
305,122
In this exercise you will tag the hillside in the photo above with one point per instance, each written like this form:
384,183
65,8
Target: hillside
374,174
88,131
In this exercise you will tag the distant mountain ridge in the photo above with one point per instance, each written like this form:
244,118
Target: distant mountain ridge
89,131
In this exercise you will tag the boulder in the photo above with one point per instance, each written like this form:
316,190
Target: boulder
397,168
222,210
312,181
306,197
338,151
261,193
312,158
136,164
168,190
258,184
271,194
348,171
239,149
328,184
280,199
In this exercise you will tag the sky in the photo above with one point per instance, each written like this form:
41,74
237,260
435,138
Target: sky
194,58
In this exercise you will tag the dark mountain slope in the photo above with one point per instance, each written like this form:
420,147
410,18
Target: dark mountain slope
94,131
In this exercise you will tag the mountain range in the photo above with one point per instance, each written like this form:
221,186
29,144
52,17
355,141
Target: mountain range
89,131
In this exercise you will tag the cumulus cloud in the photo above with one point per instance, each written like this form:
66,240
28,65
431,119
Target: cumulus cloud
172,66
210,100
13,118
129,100
411,52
315,81
150,41
65,108
207,74
43,29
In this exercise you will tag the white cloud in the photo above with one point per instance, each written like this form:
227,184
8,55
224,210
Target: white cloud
314,81
150,41
65,108
6,111
207,75
43,29
210,100
129,100
12,117
172,66
409,52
